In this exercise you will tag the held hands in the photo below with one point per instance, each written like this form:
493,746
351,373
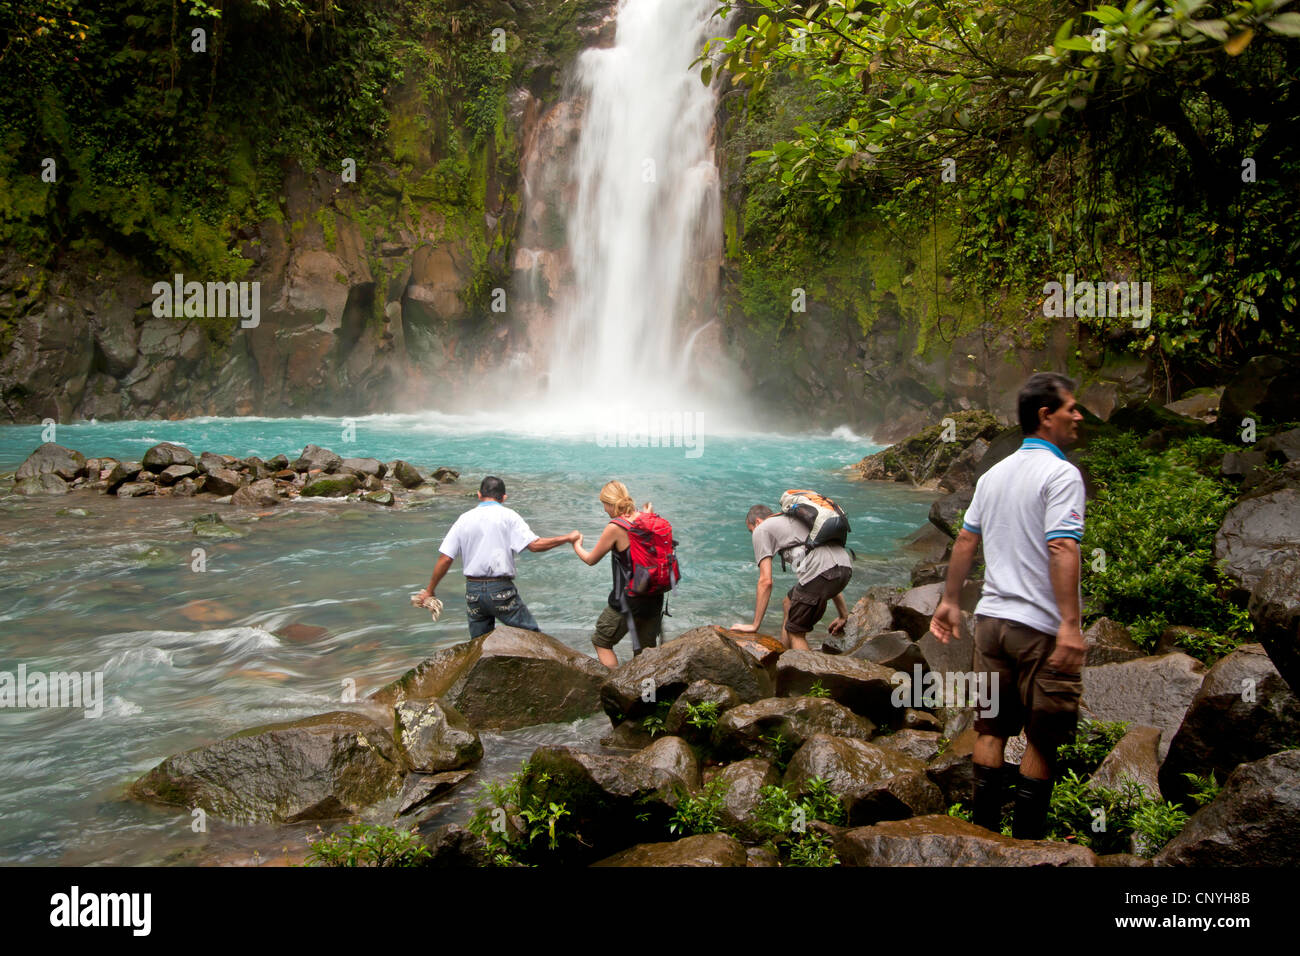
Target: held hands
1067,658
946,623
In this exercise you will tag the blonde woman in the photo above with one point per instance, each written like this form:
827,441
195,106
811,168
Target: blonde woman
644,613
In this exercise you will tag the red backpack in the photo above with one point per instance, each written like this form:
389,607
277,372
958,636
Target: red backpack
650,547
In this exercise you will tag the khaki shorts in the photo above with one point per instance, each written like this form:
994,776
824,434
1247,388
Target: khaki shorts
808,601
1031,696
611,627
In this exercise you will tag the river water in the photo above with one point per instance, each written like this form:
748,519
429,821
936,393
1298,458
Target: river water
190,656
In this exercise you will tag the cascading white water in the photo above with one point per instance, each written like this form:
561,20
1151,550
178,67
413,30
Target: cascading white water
644,231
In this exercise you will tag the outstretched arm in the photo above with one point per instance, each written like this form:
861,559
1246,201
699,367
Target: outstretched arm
546,544
607,539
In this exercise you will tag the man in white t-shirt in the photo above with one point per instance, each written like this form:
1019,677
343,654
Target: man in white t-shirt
1028,512
486,539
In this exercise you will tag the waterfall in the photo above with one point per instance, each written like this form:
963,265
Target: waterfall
644,226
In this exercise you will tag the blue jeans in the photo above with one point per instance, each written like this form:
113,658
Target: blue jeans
492,601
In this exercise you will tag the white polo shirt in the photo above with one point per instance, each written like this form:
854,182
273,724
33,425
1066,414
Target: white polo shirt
487,538
1020,504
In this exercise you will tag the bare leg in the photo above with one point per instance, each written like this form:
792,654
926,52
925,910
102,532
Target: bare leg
607,657
1033,765
989,751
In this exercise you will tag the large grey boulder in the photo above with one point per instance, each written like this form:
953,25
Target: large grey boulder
330,765
505,679
1243,711
893,649
870,615
941,840
52,459
45,484
662,673
1275,612
166,454
1151,691
1258,533
366,467
314,457
1255,820
673,755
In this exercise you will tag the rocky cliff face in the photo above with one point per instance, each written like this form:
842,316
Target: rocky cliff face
374,295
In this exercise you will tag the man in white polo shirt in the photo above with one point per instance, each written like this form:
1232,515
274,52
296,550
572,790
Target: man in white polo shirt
486,539
1028,512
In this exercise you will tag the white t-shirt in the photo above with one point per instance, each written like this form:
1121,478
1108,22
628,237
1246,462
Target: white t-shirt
487,538
1020,504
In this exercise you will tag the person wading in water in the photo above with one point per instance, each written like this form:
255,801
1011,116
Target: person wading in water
646,613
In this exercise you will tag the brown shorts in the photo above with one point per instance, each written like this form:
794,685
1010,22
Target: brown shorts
808,601
1029,694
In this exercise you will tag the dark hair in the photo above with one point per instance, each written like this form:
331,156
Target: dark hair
757,514
492,487
1043,390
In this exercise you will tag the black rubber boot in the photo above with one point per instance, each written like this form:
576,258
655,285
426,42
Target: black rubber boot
987,797
1032,800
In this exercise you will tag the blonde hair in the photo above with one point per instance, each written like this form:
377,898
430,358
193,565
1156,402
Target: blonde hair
615,493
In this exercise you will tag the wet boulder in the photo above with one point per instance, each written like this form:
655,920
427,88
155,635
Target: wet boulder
505,679
742,783
1243,711
135,489
174,473
166,454
330,765
893,649
407,475
922,745
941,840
434,737
1151,691
952,769
700,692
873,783
914,608
756,728
1275,612
1136,759
421,789
861,686
870,615
452,846
365,467
222,481
257,494
331,486
673,755
705,849
946,512
611,801
314,458
121,473
52,459
664,672
1254,821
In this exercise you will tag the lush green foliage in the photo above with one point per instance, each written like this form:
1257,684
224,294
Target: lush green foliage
511,841
703,716
653,724
999,145
364,844
784,819
1154,518
1093,741
699,812
1105,819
